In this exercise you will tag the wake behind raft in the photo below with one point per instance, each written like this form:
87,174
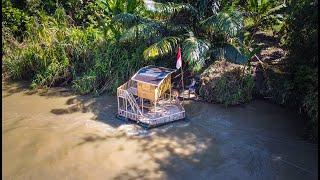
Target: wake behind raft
148,99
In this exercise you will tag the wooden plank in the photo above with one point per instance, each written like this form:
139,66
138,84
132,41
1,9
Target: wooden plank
146,91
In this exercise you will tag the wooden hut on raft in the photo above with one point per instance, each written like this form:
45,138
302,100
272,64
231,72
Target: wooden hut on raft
147,97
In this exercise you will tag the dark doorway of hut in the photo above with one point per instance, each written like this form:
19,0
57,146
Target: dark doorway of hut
148,98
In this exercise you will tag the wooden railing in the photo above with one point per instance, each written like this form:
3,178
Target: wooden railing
168,118
129,115
122,91
133,102
126,86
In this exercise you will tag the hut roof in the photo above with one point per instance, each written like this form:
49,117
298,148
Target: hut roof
152,75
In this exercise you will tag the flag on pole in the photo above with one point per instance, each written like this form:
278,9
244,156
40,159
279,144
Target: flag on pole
179,60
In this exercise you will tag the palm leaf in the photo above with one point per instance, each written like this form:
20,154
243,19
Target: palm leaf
169,9
230,53
195,51
145,31
276,9
128,20
208,5
227,23
174,29
163,47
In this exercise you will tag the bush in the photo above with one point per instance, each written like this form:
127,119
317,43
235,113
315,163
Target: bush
14,19
113,65
226,83
301,40
54,52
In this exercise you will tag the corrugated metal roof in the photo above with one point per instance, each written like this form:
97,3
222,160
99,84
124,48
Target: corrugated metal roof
152,74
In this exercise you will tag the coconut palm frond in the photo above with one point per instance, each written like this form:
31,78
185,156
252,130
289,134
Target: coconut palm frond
228,23
163,47
144,31
195,51
169,9
208,5
276,9
128,20
230,53
177,28
274,14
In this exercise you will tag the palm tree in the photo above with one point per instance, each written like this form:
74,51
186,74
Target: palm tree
264,13
203,32
116,7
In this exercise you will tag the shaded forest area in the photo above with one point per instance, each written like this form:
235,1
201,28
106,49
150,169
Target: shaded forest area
239,50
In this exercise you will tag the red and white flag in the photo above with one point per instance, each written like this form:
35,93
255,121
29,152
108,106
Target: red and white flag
179,60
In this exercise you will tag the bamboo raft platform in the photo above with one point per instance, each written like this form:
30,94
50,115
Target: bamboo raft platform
147,98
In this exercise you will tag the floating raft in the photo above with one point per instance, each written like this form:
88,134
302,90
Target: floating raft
147,98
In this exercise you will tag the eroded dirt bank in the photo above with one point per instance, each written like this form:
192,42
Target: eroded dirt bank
58,135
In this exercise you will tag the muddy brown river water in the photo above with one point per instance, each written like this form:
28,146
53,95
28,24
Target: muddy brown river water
57,135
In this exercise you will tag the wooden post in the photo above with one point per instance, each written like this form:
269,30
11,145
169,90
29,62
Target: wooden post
118,102
126,107
142,104
170,93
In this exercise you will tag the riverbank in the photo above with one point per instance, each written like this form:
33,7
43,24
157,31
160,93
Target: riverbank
57,134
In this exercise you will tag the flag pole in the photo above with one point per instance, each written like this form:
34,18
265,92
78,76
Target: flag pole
182,82
182,86
179,65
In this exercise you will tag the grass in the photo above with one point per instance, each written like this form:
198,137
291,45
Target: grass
56,53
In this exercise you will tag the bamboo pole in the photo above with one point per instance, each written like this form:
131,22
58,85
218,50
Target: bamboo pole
182,84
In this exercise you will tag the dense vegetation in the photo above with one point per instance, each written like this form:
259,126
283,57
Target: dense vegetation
94,46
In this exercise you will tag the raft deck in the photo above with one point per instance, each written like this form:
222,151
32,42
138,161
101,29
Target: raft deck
130,106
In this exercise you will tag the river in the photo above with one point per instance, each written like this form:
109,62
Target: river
55,134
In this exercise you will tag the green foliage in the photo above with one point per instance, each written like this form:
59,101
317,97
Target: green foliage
169,9
114,7
14,19
226,23
227,84
113,65
128,20
195,52
165,46
301,41
234,91
230,53
95,45
265,13
142,32
181,21
55,52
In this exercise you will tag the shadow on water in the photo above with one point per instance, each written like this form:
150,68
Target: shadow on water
178,154
210,146
12,89
216,143
25,86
